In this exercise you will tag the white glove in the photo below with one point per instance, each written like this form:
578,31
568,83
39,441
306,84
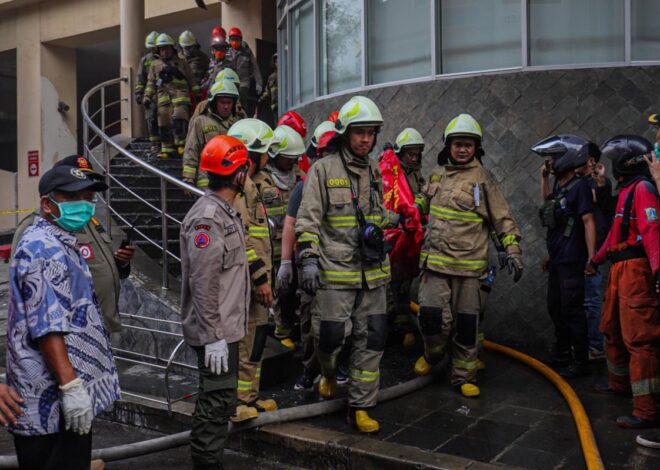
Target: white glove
216,357
285,274
77,407
259,89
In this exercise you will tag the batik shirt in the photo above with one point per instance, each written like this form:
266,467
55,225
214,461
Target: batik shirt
51,291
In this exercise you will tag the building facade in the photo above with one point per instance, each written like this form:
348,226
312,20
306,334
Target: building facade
52,52
525,69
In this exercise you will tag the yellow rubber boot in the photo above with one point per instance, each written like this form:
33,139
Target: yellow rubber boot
266,405
363,422
328,387
480,365
422,367
408,340
288,343
244,413
470,390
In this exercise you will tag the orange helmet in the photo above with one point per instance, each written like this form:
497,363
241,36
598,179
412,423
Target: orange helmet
333,116
235,32
295,122
219,31
223,155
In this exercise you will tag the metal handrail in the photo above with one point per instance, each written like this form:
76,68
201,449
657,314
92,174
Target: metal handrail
96,135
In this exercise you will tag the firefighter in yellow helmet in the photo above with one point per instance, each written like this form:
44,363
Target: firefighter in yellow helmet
151,111
344,264
217,118
168,85
257,137
197,60
465,202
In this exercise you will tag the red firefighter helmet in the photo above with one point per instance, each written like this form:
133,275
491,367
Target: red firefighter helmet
333,116
223,155
295,122
219,31
235,32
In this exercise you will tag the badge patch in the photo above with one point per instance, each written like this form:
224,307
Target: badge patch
338,183
229,229
651,214
86,251
203,227
202,240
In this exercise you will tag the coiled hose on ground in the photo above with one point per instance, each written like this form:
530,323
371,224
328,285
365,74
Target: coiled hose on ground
587,440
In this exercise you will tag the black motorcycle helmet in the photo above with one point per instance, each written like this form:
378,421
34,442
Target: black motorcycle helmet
567,151
627,155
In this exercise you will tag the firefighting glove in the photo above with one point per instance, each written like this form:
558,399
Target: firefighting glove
146,102
311,275
514,261
259,89
216,357
285,274
502,258
139,98
77,407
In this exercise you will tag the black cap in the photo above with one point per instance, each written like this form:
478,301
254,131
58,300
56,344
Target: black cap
83,165
69,179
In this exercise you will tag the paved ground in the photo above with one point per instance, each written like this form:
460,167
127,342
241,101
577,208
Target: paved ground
520,420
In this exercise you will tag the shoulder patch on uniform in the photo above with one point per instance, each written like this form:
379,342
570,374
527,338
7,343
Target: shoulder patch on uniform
338,183
203,227
86,251
209,211
209,128
202,240
651,214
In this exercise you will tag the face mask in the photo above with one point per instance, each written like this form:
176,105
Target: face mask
74,215
236,45
219,55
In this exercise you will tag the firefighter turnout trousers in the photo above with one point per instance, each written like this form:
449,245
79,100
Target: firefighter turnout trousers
631,325
250,350
338,314
449,314
216,402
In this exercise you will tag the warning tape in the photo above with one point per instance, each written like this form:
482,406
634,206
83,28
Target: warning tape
20,211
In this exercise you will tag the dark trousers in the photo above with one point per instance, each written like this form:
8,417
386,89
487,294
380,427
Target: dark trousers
216,402
566,308
64,450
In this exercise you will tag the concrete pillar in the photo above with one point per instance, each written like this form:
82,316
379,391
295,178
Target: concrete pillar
245,15
28,95
131,26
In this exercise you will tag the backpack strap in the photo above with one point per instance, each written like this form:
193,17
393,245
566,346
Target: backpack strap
627,206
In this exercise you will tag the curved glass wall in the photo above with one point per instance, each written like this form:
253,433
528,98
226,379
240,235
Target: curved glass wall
331,46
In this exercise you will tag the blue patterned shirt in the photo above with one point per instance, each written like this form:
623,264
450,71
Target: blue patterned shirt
51,291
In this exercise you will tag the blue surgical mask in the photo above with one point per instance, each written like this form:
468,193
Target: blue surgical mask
74,215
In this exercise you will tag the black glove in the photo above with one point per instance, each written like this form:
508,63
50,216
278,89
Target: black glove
165,76
138,99
311,275
503,258
174,72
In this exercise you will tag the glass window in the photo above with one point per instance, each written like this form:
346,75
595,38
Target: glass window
341,45
302,52
480,35
570,32
399,39
645,31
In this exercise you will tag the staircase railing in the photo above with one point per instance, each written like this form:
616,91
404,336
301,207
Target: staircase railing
99,148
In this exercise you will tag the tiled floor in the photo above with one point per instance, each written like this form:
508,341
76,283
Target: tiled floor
520,419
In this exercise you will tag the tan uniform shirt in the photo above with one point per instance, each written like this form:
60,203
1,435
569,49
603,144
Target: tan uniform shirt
215,292
464,203
327,224
202,129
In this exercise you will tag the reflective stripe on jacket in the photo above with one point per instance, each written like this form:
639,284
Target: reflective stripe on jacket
464,203
327,226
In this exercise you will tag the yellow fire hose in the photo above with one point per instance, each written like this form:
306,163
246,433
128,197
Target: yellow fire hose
587,440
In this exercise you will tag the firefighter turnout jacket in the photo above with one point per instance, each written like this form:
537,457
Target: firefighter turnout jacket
169,81
201,130
464,203
327,225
